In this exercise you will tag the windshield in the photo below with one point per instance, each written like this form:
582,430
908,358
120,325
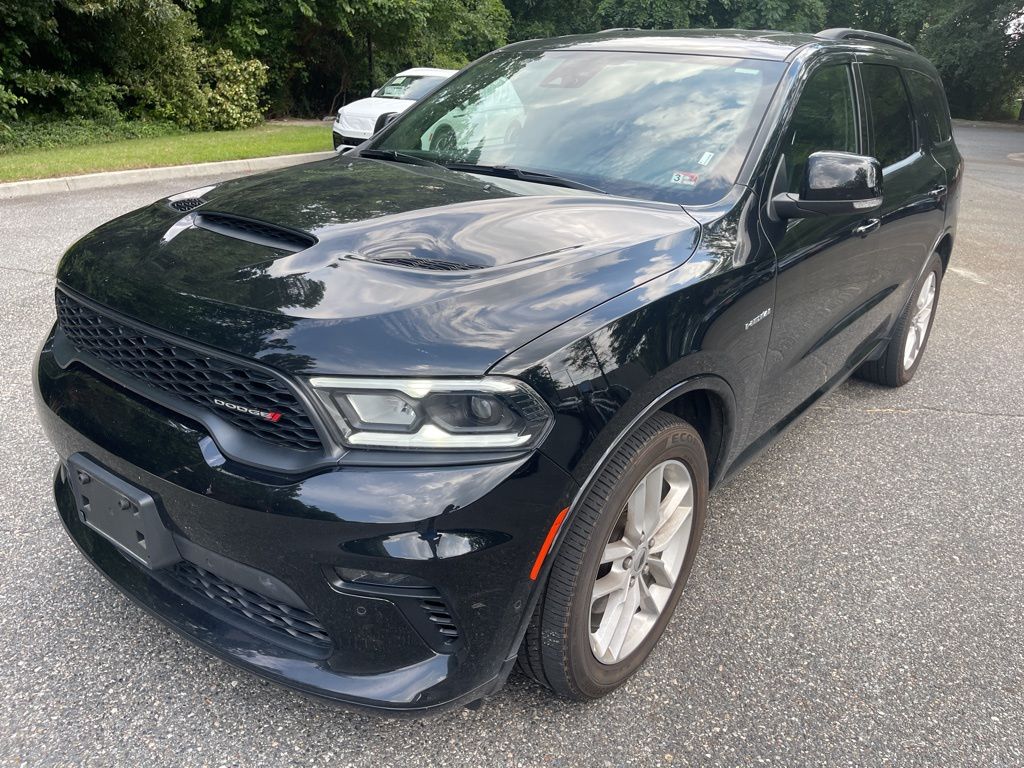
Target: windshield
408,87
665,127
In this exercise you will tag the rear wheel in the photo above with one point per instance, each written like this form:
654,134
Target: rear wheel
899,361
626,556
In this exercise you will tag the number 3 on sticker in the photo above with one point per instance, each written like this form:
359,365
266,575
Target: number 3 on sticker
685,178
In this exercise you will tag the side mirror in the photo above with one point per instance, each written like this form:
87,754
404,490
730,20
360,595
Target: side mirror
374,92
384,121
834,184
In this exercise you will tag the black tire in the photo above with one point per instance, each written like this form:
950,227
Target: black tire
889,369
556,650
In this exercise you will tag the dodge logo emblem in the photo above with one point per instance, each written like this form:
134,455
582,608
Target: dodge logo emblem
268,415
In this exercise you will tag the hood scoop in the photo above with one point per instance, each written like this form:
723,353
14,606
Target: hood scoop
253,231
186,204
431,265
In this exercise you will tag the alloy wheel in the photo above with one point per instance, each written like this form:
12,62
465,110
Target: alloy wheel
641,561
919,324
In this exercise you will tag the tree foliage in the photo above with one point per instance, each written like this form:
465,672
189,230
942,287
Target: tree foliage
227,63
977,45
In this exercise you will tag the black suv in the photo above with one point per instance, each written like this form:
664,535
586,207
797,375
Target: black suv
377,427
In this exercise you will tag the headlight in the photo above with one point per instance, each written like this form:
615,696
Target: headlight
492,413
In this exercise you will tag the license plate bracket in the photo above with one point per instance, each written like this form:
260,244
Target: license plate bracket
122,513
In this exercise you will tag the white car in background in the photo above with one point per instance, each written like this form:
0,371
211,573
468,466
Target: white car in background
354,123
493,120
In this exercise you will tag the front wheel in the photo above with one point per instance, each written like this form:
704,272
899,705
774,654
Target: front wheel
444,141
903,354
627,554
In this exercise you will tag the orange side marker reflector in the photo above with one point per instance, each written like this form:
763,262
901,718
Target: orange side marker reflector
546,546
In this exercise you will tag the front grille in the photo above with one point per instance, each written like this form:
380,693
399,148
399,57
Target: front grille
190,375
264,613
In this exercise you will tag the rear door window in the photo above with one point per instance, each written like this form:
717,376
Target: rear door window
891,117
930,101
823,120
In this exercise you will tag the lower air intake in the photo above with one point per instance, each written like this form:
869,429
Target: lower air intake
439,615
263,614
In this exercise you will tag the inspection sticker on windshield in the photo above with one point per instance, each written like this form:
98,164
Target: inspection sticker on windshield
684,178
705,158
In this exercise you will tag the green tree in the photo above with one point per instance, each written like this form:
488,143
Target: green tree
977,45
547,18
790,15
224,63
320,50
650,14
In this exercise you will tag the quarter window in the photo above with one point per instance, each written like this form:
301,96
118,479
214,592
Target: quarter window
823,120
933,114
892,121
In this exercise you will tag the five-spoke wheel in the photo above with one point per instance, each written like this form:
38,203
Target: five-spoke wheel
920,320
641,562
896,364
629,547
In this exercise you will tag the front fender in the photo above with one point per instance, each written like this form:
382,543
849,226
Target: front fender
703,335
711,316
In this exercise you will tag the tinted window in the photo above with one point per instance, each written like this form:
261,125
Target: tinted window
932,113
824,120
657,126
892,121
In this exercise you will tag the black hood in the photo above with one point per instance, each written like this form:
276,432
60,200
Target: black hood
353,266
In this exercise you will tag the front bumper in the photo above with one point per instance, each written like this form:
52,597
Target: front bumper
348,137
468,535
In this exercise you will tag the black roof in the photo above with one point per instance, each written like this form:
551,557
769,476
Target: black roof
740,43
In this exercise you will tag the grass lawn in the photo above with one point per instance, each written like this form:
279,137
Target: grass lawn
179,149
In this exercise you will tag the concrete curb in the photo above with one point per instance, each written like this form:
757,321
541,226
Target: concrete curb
1013,125
17,189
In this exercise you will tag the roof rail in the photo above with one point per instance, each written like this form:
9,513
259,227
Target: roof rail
845,33
621,29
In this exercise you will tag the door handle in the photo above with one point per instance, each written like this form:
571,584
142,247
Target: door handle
867,227
938,192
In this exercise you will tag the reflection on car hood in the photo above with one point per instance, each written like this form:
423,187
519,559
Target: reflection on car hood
413,269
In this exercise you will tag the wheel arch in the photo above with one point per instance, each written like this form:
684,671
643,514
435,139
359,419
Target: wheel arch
706,410
944,247
706,398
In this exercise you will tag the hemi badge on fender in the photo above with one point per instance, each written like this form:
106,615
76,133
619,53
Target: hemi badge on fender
754,321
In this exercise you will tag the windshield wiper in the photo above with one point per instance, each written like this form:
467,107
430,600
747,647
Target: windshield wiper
504,171
523,175
397,157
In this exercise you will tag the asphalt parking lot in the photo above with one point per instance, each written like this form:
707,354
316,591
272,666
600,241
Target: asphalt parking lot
858,598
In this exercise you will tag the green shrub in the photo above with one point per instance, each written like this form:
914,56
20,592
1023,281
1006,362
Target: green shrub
63,131
233,90
8,103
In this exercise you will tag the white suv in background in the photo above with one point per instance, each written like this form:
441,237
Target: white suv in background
354,123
